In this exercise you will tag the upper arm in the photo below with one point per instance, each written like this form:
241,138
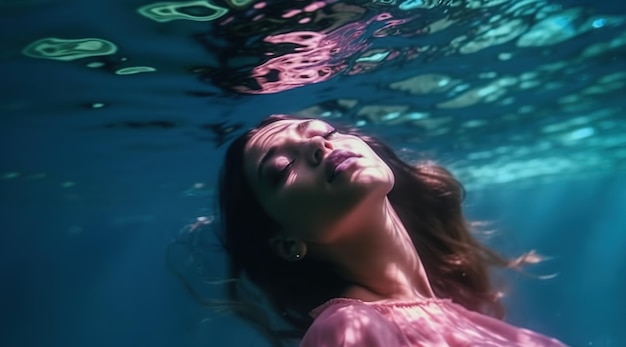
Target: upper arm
351,326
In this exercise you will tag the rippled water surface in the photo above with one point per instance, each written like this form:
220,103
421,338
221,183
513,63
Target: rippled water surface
115,115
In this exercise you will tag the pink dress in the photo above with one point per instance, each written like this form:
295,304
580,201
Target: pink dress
427,323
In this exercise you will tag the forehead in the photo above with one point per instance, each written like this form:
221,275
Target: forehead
267,137
275,133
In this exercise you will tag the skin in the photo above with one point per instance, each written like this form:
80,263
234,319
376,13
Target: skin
348,221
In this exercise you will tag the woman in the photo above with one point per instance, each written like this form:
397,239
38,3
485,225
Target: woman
353,246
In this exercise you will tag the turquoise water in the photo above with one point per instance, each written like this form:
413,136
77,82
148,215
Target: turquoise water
115,115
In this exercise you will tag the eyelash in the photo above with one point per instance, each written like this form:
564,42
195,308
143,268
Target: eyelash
283,172
329,134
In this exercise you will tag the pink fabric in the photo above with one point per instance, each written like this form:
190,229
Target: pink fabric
429,323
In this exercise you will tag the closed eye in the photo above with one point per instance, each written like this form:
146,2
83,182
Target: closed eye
276,175
329,134
285,170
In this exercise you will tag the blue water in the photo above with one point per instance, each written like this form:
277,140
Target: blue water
114,121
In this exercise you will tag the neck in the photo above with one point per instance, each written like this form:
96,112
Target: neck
379,257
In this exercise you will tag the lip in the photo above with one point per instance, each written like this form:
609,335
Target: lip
334,159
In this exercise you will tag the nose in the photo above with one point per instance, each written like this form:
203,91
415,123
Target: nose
317,148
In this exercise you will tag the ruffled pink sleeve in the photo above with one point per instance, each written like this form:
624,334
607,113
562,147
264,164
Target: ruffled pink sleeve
350,326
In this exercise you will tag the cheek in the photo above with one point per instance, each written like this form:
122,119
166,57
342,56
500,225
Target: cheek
294,205
305,213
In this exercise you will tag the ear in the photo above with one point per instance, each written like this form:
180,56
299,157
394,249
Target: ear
288,248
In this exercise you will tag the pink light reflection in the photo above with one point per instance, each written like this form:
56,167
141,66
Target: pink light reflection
291,13
314,6
317,58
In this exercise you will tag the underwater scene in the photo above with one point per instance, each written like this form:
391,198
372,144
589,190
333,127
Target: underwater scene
115,118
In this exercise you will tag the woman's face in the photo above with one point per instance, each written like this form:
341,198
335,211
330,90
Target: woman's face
309,178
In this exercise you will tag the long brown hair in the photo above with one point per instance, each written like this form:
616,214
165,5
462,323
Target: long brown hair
426,197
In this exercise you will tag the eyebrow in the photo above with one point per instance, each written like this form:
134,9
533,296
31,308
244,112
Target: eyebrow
300,128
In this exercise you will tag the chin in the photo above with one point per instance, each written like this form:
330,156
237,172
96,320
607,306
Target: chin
374,179
366,189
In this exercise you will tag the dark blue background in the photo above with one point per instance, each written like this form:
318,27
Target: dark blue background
87,219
